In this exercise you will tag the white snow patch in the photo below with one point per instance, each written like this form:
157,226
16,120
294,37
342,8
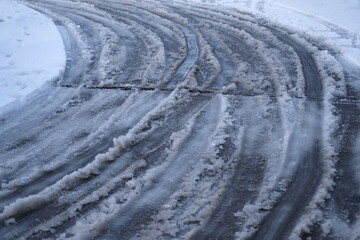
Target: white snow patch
230,88
31,51
10,221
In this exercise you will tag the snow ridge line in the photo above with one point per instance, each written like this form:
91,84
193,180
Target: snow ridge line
75,208
96,197
132,29
330,172
176,27
331,73
136,134
94,222
224,19
196,196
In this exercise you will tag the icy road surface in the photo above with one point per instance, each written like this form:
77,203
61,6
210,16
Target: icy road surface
176,121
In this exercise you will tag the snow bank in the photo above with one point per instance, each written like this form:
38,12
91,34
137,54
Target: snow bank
31,51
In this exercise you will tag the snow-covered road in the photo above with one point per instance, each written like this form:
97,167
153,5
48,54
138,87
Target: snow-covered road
182,121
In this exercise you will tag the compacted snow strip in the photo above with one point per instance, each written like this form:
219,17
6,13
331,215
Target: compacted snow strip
332,76
154,59
75,208
93,195
335,22
147,17
338,87
134,107
226,21
280,80
167,59
334,87
135,135
136,192
334,84
31,51
207,55
142,44
198,195
92,31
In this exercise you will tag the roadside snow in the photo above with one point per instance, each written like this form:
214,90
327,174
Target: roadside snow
31,51
335,22
342,13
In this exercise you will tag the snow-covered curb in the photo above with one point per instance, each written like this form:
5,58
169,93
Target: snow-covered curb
31,51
